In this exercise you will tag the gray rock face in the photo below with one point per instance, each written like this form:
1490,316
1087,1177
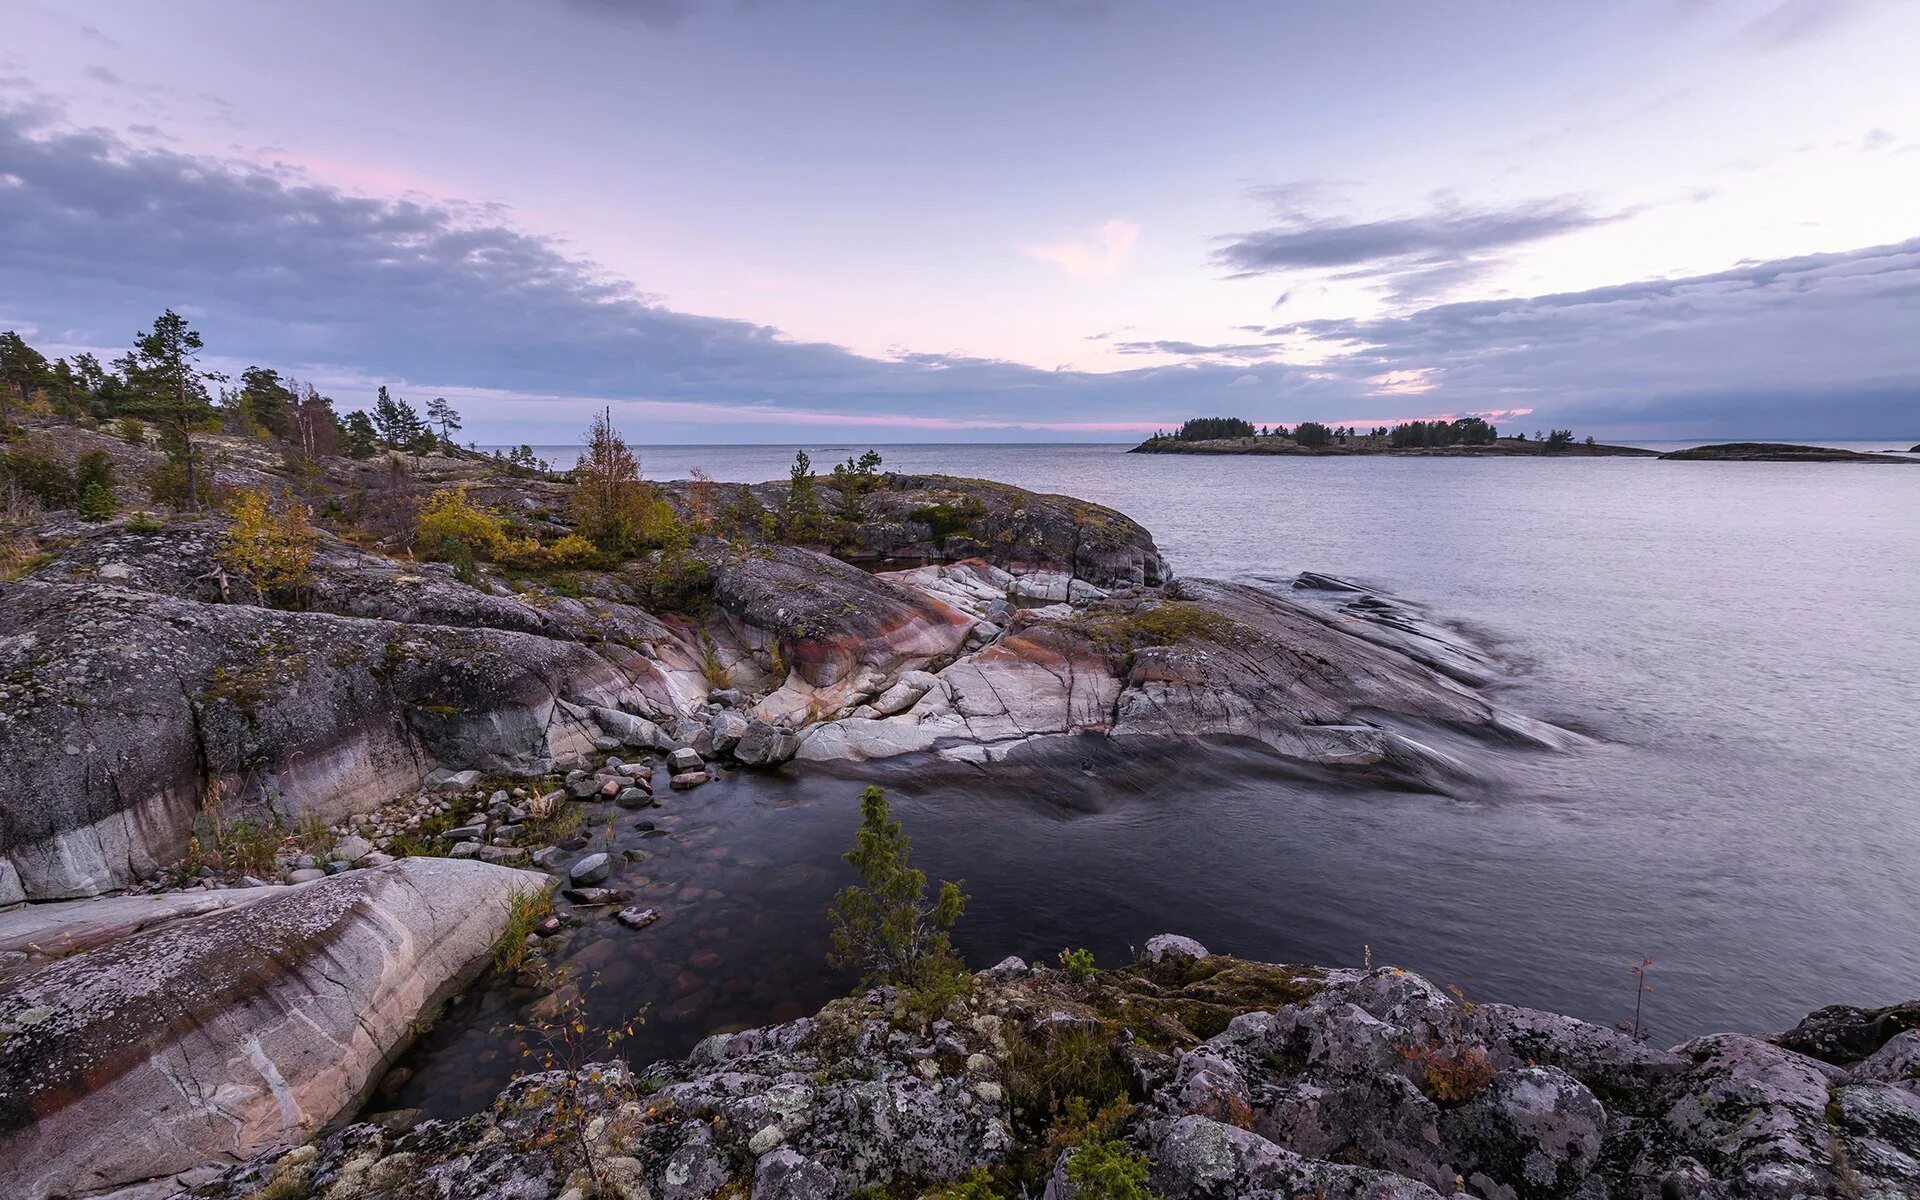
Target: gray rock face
1385,1072
1355,1086
232,1032
143,702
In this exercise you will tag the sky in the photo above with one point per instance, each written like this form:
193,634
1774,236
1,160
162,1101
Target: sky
1010,220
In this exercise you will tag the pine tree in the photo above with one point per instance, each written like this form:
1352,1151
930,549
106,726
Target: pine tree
358,438
440,413
886,927
170,386
22,368
800,514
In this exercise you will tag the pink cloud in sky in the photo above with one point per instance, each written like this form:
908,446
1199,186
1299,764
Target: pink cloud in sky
1095,254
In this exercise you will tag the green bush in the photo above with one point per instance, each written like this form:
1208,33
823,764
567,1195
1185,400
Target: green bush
97,503
1078,964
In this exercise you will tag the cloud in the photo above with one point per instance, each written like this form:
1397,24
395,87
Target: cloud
97,235
1096,254
1794,22
660,14
1242,351
1819,345
1413,256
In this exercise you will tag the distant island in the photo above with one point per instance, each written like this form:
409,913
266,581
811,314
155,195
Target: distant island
1778,452
1467,436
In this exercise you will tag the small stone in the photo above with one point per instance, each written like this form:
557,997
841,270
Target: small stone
505,856
305,875
988,1091
640,918
766,1139
684,760
604,744
594,896
466,850
594,868
352,848
549,857
548,926
376,859
688,780
633,797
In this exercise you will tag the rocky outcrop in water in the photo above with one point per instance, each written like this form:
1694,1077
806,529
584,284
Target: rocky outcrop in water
1217,1078
141,689
216,1035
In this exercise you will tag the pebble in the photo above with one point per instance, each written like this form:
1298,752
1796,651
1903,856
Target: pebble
638,918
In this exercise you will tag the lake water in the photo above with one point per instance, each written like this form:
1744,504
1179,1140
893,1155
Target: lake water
1742,639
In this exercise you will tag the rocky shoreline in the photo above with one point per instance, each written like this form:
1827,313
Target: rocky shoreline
250,848
1216,1077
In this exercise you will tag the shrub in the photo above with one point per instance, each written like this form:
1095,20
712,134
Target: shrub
528,554
167,483
32,467
133,431
272,551
1453,1074
449,517
1105,1169
143,522
97,503
885,927
1078,964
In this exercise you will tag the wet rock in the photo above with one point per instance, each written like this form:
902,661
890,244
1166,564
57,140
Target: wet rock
594,897
637,918
763,745
594,868
688,780
1843,1034
549,857
633,797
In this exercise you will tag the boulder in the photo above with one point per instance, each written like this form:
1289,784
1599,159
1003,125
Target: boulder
683,760
593,869
763,745
630,730
1172,947
234,1032
724,730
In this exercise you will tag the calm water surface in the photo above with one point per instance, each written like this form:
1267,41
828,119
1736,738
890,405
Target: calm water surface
1742,638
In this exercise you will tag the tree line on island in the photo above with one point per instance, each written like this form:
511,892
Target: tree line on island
1313,435
360,474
